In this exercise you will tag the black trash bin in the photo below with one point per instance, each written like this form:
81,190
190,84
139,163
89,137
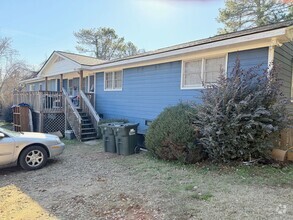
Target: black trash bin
126,138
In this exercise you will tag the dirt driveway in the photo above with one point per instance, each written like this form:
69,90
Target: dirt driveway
86,183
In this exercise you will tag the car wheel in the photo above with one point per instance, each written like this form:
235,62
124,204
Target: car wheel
33,157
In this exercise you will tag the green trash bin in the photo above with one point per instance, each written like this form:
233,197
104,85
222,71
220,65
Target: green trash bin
108,138
126,138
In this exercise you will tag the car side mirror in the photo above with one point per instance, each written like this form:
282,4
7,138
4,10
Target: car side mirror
2,135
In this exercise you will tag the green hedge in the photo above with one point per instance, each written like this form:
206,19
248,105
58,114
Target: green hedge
173,137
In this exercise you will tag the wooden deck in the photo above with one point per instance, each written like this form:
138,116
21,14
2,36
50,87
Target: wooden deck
45,101
41,101
56,111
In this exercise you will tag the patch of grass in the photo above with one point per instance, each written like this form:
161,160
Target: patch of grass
222,174
70,142
271,174
204,197
267,174
189,187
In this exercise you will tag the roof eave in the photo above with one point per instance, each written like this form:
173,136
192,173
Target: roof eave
277,33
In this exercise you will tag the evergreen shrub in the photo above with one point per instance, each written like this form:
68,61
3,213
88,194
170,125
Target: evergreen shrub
241,113
172,136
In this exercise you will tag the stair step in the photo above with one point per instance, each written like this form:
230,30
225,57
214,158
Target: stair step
87,126
88,129
88,138
89,133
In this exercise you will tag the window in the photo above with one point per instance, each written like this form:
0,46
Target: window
197,73
32,87
192,74
113,81
213,68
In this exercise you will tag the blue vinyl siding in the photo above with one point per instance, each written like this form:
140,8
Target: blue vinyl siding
146,91
283,59
249,58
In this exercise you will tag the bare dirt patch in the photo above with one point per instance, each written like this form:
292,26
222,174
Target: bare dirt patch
86,183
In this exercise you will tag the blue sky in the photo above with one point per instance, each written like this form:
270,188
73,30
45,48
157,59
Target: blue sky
38,27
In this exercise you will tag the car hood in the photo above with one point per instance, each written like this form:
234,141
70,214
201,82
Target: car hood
38,135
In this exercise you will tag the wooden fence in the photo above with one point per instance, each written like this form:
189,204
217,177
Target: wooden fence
286,139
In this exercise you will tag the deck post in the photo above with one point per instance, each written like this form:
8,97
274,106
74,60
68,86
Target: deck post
46,83
65,114
61,82
80,85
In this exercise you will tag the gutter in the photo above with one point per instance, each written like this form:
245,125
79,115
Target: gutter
181,51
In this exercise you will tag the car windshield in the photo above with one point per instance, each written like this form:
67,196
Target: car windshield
9,132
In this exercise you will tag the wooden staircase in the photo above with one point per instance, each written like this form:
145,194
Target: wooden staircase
88,131
83,119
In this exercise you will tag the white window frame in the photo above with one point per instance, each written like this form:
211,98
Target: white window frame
113,81
203,76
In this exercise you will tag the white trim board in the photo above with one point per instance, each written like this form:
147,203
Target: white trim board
215,45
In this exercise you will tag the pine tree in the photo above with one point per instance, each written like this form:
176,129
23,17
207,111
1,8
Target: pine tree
242,14
104,44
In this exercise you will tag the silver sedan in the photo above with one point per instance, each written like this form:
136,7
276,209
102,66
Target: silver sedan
28,149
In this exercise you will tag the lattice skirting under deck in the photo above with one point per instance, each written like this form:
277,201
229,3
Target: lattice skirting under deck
53,122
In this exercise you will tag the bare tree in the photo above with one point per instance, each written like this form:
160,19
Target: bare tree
12,71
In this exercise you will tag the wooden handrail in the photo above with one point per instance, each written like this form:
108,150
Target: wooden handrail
72,115
90,107
71,105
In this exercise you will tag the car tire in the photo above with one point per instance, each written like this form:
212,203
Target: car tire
32,158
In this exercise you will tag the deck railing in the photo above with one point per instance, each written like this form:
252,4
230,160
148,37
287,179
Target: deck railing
40,101
91,98
88,108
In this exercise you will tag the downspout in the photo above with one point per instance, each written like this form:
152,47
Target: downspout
274,43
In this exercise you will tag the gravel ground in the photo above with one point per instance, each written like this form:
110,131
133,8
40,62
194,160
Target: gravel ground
86,183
